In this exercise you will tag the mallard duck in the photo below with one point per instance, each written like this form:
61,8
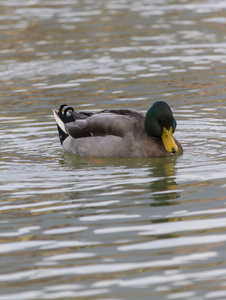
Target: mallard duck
118,132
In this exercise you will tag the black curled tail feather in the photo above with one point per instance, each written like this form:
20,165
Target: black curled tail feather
66,118
62,113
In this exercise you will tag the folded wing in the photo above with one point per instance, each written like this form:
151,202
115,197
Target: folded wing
110,122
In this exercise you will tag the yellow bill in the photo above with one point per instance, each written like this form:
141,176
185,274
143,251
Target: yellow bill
169,141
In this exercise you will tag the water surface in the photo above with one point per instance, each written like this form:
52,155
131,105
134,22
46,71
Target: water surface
83,228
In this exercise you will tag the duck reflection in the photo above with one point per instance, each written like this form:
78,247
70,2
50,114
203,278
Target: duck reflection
126,174
164,188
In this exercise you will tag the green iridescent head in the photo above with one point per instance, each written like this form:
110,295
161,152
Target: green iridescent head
160,123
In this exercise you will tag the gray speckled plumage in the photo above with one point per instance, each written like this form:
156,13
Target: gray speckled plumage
110,133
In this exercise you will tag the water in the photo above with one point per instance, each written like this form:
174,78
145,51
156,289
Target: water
84,228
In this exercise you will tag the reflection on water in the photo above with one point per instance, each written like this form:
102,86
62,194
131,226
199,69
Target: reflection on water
164,189
84,228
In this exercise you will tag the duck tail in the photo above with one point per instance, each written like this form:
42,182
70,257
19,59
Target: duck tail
62,118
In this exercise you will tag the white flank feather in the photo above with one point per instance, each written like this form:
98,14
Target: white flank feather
60,123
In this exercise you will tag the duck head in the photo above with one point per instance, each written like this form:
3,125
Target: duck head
160,123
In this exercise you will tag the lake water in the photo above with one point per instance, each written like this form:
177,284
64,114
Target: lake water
83,228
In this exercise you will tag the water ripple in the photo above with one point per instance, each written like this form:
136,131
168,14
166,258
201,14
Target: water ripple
74,227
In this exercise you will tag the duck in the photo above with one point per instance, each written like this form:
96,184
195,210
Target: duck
118,133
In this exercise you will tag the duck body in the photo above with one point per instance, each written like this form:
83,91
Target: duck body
112,133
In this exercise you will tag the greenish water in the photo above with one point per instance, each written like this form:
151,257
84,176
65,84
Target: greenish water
83,228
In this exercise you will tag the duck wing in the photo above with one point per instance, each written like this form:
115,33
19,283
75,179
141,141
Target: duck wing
119,123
